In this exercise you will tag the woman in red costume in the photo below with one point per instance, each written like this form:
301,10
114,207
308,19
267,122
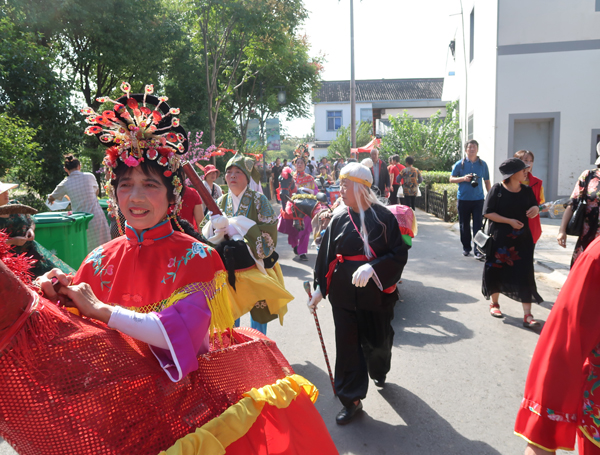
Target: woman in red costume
168,290
298,240
535,224
562,401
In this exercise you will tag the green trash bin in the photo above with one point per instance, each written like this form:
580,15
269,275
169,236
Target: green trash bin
104,205
64,235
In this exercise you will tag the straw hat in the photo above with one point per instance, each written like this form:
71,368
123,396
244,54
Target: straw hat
7,186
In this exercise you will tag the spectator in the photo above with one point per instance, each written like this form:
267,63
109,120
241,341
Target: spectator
337,167
411,177
211,174
394,170
586,187
326,164
275,173
535,224
82,189
509,262
381,177
470,173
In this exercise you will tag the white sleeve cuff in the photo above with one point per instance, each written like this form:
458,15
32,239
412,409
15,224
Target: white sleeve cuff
143,327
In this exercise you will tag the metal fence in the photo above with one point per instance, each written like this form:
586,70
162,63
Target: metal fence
434,203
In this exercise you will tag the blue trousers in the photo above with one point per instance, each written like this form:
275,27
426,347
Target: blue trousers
466,211
262,328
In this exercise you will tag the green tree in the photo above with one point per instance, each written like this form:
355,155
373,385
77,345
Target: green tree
232,36
342,144
31,91
435,144
18,151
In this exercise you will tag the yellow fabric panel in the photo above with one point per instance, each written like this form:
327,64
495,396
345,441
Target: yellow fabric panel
214,436
542,197
252,286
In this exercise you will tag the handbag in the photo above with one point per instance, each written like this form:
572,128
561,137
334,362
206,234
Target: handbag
482,238
575,224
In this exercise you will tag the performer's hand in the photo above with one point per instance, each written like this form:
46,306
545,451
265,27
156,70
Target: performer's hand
30,235
316,298
83,297
16,241
363,274
233,233
51,281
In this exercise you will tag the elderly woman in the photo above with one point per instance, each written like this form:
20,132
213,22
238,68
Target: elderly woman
360,261
21,230
509,262
587,187
249,217
82,189
298,239
211,174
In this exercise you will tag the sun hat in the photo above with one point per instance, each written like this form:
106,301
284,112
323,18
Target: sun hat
7,186
511,166
210,168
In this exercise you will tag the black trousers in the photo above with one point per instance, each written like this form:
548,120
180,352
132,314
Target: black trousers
466,210
363,345
393,200
410,201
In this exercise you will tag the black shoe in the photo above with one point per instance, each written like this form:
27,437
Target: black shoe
346,415
379,382
303,257
466,253
296,250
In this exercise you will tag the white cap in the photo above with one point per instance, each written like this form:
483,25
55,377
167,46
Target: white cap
7,186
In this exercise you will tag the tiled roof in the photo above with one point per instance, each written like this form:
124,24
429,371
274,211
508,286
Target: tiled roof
382,90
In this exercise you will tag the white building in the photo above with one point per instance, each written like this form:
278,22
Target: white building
528,77
376,101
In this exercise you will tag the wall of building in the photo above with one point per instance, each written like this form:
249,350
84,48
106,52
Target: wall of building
480,99
320,109
419,112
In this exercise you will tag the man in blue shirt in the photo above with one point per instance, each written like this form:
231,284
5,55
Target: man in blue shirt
470,197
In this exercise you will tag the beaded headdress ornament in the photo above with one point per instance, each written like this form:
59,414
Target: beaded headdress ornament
141,126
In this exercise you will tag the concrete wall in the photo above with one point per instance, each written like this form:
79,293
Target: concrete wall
321,133
480,98
421,112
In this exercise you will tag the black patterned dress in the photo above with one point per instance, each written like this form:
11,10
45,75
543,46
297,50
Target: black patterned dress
509,262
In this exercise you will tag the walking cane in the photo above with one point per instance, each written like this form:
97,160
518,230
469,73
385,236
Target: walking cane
314,312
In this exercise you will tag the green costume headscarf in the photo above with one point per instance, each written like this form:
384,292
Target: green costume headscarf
246,165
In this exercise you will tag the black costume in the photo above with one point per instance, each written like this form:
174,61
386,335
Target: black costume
509,259
362,315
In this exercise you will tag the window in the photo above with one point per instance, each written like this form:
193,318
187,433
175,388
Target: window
472,35
366,115
334,120
597,5
470,127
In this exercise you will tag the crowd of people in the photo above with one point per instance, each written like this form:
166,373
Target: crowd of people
199,259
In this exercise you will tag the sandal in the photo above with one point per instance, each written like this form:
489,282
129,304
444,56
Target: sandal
529,322
495,310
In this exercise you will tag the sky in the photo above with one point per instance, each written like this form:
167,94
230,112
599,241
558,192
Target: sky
393,39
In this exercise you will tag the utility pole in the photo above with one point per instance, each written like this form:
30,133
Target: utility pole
352,81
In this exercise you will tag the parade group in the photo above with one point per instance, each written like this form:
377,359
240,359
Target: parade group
185,263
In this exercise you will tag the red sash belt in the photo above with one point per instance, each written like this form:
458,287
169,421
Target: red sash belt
360,257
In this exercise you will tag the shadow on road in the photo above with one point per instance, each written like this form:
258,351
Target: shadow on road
419,316
297,272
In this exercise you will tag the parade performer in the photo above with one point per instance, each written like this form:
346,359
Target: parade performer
561,403
287,186
166,294
361,258
248,218
298,239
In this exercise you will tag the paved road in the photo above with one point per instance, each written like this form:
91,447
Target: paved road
457,373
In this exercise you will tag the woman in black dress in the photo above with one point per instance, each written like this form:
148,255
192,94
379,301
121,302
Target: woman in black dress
509,260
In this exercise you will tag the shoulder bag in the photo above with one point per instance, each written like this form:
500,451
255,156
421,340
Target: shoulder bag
482,238
575,224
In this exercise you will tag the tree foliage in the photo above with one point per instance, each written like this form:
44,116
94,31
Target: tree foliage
435,144
18,151
342,143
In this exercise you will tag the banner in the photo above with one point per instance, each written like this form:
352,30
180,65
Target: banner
253,133
273,139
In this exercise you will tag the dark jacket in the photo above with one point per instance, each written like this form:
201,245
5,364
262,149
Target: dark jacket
384,176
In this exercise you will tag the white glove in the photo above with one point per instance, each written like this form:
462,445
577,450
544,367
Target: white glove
362,275
219,222
316,298
233,233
